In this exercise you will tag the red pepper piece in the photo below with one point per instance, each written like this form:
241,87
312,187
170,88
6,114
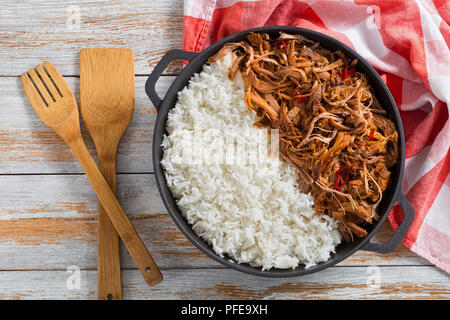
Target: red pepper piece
371,134
346,177
347,72
281,44
297,91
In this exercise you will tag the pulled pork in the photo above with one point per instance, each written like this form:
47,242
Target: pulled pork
331,126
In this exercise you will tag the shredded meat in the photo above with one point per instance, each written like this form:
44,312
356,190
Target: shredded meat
332,128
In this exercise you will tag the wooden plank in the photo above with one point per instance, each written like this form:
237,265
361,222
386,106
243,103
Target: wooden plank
71,196
421,282
28,146
31,32
48,244
49,222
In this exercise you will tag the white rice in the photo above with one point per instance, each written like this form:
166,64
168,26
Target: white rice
251,213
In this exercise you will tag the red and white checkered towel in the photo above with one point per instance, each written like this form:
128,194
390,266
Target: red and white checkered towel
407,41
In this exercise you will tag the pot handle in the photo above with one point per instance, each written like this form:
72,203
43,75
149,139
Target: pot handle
171,55
399,234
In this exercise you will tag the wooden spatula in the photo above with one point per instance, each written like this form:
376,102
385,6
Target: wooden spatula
53,101
107,104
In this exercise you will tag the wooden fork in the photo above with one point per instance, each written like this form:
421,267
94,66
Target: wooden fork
53,101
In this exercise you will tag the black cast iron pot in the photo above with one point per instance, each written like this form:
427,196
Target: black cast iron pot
392,195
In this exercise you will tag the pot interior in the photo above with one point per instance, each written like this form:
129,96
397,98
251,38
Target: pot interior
382,93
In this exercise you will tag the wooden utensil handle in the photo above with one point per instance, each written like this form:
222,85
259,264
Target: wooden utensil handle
109,277
119,219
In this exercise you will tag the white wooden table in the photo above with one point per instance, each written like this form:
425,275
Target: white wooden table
48,210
